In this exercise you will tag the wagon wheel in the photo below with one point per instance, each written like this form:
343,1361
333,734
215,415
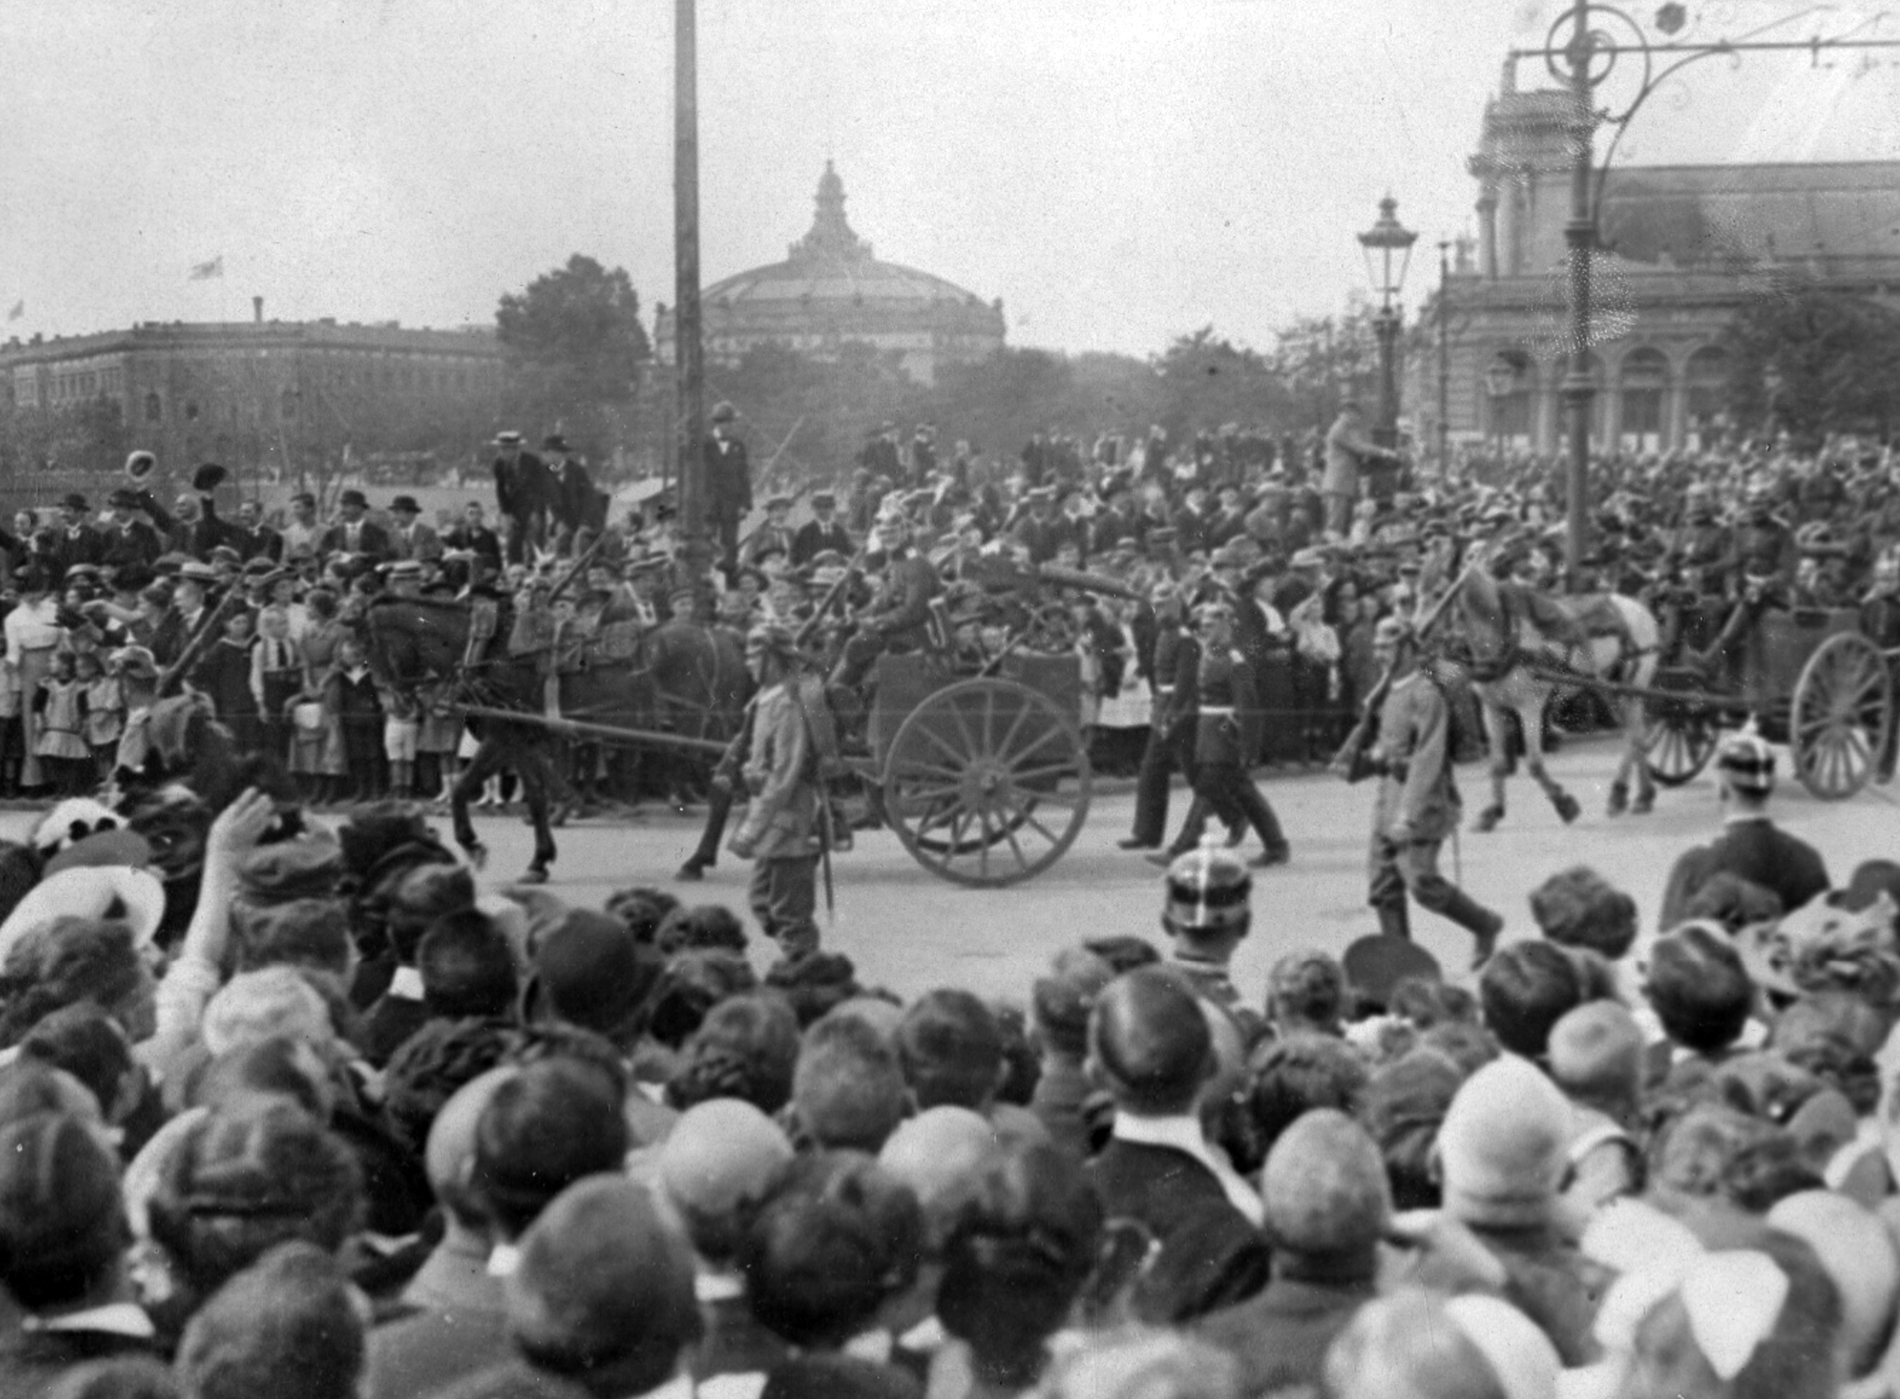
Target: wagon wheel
1839,718
987,782
1678,734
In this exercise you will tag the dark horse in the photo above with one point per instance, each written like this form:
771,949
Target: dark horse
683,679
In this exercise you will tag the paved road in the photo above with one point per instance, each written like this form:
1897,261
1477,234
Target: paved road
908,930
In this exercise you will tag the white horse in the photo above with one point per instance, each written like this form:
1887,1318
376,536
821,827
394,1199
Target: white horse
1522,641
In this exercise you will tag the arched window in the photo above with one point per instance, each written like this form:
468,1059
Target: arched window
1643,388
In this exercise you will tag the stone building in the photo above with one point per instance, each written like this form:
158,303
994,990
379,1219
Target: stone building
830,291
1685,247
253,395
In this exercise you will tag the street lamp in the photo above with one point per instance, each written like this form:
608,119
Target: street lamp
1584,47
1387,246
1499,380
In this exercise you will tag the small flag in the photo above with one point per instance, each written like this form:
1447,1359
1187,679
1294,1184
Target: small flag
18,310
204,271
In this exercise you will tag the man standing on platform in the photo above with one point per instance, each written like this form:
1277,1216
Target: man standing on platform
1347,449
728,484
524,493
1418,804
781,831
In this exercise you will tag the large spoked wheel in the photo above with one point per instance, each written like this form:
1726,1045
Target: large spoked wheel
1840,716
1678,734
987,783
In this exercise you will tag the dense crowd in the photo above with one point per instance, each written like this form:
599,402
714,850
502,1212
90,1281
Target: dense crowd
290,1107
300,1112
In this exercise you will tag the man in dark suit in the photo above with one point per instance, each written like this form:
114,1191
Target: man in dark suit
130,538
251,537
78,541
1751,846
822,532
879,454
1151,1046
474,536
578,505
525,492
411,538
728,483
354,532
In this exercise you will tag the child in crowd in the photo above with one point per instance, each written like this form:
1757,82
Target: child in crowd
12,732
60,706
350,694
224,675
277,677
105,711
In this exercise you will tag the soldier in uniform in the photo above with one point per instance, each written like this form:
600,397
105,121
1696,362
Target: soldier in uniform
781,832
1207,914
1760,566
1171,720
1226,736
1418,803
898,618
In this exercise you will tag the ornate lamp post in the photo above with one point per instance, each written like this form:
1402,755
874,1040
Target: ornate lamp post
1583,48
1387,247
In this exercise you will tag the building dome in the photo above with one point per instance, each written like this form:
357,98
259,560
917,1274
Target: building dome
831,291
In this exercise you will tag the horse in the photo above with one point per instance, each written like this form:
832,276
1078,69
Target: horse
1521,642
667,682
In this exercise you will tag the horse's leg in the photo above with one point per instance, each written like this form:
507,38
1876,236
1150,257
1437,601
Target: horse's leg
534,765
1633,733
1530,711
480,767
1497,742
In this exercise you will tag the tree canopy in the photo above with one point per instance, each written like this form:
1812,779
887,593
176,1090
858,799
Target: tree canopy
573,346
1833,362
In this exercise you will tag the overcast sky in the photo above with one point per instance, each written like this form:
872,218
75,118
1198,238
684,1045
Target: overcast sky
1117,171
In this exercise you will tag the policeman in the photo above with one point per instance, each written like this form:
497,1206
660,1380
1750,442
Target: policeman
1418,803
1207,913
1226,735
1170,723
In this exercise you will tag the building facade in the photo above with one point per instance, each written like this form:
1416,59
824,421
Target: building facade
253,395
831,291
1684,248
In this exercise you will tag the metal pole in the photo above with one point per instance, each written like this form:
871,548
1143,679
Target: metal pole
688,352
1386,326
1444,361
1580,239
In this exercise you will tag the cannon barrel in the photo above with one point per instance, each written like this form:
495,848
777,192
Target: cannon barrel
1085,581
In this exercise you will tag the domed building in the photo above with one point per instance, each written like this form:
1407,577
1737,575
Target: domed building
830,291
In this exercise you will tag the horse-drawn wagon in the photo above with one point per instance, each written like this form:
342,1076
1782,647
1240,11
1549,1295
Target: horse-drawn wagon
1809,677
983,776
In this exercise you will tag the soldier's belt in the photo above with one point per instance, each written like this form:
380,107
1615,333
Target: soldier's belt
1217,709
1397,769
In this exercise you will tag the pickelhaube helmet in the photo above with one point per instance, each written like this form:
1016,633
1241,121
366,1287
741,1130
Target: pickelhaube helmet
1208,887
1748,763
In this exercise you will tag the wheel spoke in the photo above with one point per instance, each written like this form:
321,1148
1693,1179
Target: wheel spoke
1015,727
943,744
1065,799
1009,834
1067,769
1030,818
912,766
936,817
929,794
1053,732
989,718
963,728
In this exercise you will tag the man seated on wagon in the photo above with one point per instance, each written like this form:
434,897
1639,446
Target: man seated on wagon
898,618
1760,568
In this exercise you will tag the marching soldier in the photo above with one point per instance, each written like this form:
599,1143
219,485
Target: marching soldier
782,832
1418,803
1226,735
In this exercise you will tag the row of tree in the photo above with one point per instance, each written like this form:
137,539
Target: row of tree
577,359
